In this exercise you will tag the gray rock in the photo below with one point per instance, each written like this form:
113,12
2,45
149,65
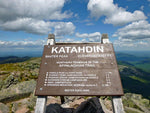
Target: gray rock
136,102
72,98
3,108
10,80
17,91
31,102
1,84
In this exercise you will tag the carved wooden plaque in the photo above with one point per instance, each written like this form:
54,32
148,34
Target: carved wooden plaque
79,69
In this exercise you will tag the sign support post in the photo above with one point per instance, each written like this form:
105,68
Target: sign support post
41,104
41,100
117,104
116,100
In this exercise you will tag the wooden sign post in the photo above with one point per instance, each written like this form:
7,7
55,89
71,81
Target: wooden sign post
41,100
79,69
116,100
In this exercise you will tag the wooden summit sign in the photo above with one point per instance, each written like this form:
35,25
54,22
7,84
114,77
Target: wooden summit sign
79,69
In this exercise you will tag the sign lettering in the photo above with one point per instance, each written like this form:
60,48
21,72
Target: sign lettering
84,49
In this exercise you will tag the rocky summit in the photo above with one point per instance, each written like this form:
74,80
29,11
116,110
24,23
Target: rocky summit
18,81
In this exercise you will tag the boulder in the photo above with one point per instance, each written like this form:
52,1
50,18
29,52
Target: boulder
136,102
4,108
18,91
72,101
76,103
53,100
10,80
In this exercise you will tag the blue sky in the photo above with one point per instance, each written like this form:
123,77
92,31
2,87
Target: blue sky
25,24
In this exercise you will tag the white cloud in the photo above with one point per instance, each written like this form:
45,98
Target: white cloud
114,15
63,28
28,25
135,31
93,37
143,43
22,44
39,9
90,35
71,40
132,45
83,40
34,16
41,27
99,8
123,17
66,40
85,35
135,36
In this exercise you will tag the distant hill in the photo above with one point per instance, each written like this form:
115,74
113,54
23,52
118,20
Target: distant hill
133,60
13,59
135,80
135,73
128,57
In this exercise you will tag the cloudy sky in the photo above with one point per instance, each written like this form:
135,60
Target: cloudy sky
25,24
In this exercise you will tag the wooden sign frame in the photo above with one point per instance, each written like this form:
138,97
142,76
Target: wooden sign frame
41,100
79,69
